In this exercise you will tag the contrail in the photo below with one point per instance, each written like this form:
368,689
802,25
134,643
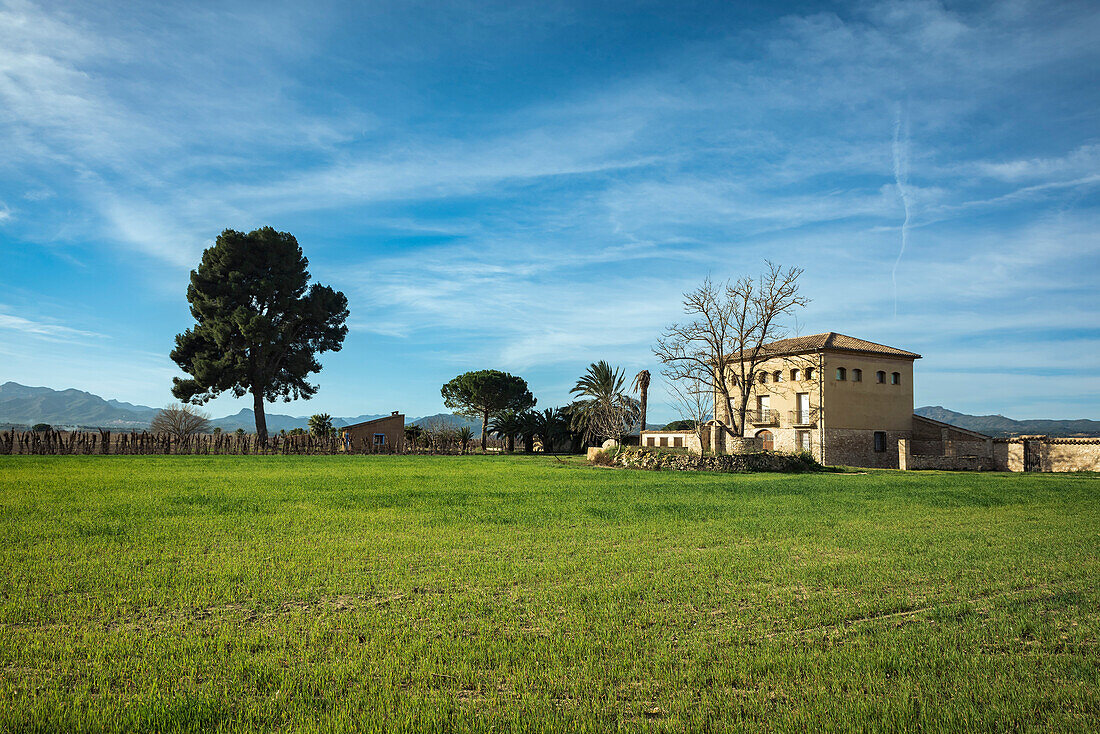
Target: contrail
901,179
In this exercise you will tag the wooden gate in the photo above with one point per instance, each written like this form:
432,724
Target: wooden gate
1033,459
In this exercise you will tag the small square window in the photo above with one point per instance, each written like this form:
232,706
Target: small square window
895,378
678,442
379,439
857,375
880,441
841,373
880,377
651,441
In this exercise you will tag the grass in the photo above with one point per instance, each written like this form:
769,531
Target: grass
472,593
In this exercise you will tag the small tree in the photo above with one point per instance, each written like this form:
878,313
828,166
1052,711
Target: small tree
693,400
259,325
218,431
725,338
464,435
604,410
549,426
180,420
487,393
412,435
506,426
41,427
320,424
239,431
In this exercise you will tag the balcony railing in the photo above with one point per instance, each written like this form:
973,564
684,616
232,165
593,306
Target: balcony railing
803,418
763,417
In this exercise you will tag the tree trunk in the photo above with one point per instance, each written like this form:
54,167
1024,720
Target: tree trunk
485,432
261,419
645,398
511,444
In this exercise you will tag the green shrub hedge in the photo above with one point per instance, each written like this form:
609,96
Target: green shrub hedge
761,461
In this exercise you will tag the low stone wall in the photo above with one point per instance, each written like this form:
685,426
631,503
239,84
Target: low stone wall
1068,454
1054,454
950,463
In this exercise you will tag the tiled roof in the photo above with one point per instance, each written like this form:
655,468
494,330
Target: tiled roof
831,341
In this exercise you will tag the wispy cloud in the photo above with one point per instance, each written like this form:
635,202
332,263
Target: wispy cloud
11,322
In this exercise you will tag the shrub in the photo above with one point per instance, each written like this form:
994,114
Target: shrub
761,461
42,427
604,458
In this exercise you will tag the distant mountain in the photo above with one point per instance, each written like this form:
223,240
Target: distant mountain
20,404
24,406
999,425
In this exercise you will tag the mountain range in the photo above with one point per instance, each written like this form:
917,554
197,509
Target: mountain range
21,405
999,425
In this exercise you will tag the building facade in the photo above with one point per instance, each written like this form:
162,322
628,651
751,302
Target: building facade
379,436
843,399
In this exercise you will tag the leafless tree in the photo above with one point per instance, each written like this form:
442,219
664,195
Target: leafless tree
692,400
725,339
180,419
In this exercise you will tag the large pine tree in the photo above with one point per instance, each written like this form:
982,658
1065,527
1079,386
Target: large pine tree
259,324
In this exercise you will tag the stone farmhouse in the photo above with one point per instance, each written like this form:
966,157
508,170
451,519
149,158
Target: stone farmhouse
849,401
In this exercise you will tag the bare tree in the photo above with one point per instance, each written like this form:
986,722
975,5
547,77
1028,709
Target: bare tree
725,340
180,419
692,400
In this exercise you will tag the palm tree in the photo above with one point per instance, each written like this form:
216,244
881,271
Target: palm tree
548,425
464,435
605,410
528,429
320,424
641,384
506,426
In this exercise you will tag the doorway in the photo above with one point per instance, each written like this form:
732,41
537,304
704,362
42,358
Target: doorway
766,440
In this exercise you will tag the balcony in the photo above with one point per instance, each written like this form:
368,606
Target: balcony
763,417
803,418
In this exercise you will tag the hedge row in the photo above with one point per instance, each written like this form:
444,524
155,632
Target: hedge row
761,461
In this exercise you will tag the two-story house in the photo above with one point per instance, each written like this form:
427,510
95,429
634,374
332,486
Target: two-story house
845,400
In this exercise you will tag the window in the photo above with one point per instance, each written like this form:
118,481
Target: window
664,441
651,441
379,439
677,442
841,373
895,378
857,375
762,377
796,375
809,373
880,441
802,439
777,376
880,377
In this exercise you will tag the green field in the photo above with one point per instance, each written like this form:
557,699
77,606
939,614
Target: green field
320,593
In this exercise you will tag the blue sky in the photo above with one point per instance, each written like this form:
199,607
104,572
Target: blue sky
531,187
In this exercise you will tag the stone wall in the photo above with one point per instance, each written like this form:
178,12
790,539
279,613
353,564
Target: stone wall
852,447
1055,454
